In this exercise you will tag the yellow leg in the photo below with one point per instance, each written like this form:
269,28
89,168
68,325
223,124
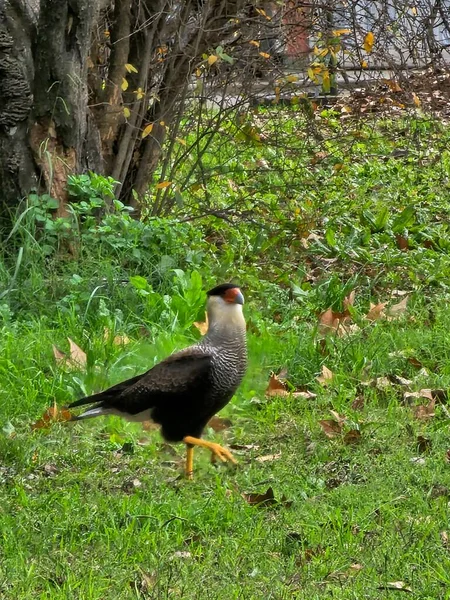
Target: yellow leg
189,462
222,453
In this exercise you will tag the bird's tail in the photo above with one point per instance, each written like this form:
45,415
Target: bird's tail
100,406
98,410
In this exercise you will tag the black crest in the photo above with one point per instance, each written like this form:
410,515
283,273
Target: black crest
219,290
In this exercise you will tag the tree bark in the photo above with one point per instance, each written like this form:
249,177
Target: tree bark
17,173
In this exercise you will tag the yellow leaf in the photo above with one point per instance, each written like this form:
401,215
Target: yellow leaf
414,10
364,64
416,100
163,184
126,112
139,93
212,59
311,74
292,78
368,42
254,43
147,130
106,33
338,32
264,54
180,141
130,68
162,123
198,72
124,85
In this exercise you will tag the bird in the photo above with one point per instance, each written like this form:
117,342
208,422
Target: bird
183,392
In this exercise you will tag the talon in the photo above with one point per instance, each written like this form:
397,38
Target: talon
223,454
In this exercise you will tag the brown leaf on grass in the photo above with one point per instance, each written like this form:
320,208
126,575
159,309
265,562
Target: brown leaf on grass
202,326
219,424
244,446
268,457
328,322
335,322
53,414
415,362
339,418
425,393
308,555
75,360
445,539
326,376
331,429
423,444
422,412
402,242
352,437
277,387
376,311
397,310
401,586
358,402
343,575
266,499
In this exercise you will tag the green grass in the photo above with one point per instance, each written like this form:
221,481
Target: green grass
74,525
98,510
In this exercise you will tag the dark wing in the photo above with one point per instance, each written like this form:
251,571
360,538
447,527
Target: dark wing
172,381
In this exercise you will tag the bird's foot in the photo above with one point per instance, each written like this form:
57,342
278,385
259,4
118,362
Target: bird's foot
218,451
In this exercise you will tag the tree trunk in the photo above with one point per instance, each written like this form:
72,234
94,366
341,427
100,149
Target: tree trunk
17,173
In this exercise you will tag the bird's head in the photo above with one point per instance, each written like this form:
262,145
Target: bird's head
224,305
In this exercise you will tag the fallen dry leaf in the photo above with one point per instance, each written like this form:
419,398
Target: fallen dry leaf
266,499
202,326
358,402
277,387
337,322
352,437
331,428
339,418
326,376
426,393
376,311
343,575
423,444
402,242
244,446
396,585
396,310
219,423
422,412
445,539
268,457
54,414
415,362
75,360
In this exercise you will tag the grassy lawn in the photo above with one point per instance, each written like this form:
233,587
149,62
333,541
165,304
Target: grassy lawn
98,510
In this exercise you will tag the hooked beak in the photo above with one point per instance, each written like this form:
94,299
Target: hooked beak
234,296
